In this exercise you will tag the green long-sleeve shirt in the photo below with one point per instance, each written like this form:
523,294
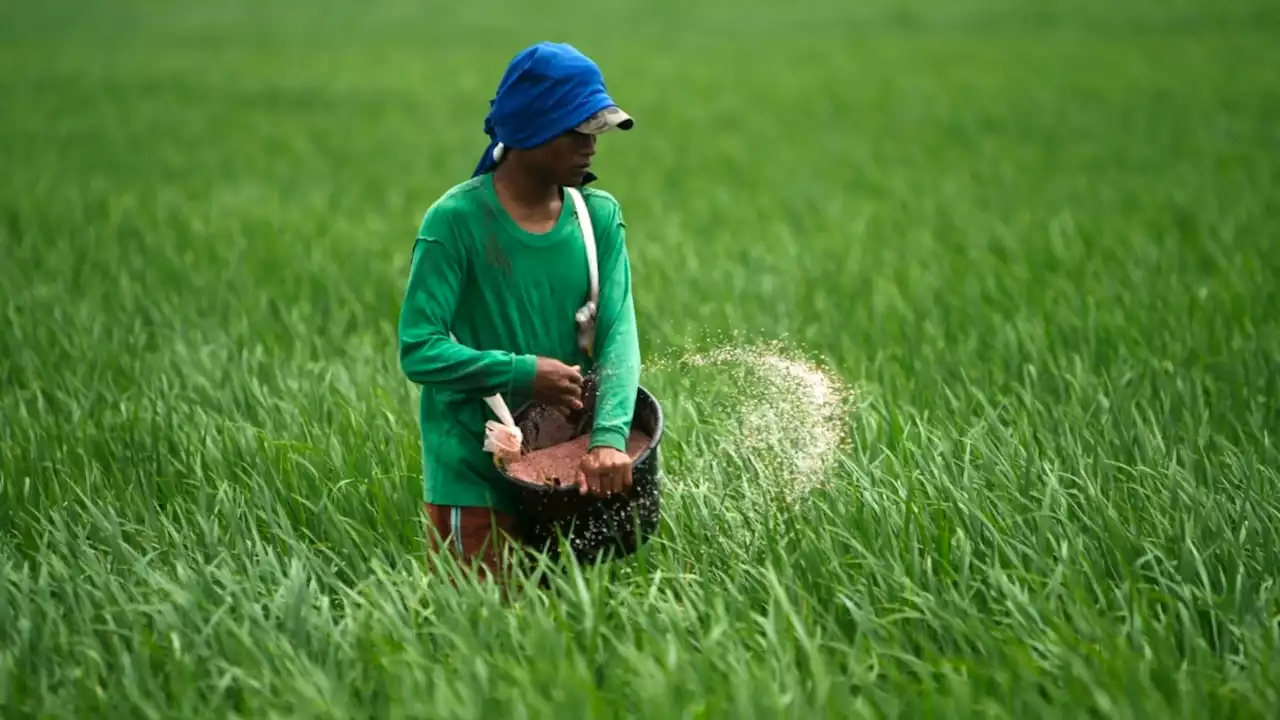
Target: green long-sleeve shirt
508,296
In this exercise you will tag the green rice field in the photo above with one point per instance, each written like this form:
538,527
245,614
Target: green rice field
1037,241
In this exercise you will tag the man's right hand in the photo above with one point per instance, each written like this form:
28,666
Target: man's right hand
557,384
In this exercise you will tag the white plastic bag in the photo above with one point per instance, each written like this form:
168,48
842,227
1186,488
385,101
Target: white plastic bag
504,438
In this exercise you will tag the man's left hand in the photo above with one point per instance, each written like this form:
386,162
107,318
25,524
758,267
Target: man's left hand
605,471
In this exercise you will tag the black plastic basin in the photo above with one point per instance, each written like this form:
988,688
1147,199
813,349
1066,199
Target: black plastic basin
595,526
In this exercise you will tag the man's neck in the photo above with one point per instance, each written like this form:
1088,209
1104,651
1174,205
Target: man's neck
532,202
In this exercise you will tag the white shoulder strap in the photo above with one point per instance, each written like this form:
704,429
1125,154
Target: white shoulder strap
586,315
588,237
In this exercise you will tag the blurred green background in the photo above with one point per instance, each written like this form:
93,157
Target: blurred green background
1038,237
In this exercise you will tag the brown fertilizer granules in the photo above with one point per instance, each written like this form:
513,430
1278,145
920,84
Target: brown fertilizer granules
560,464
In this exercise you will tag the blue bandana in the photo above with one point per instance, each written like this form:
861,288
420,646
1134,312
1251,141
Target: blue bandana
547,90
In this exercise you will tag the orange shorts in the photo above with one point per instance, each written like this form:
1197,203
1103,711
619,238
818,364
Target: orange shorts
479,538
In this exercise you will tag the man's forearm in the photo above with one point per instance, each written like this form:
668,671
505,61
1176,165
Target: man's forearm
619,377
430,358
618,363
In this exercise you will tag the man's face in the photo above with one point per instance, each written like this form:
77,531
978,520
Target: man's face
566,159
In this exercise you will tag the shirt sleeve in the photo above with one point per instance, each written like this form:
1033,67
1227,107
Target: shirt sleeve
428,353
617,342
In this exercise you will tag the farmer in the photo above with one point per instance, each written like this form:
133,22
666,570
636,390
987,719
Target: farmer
499,263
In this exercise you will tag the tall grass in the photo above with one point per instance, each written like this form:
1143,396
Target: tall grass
1038,240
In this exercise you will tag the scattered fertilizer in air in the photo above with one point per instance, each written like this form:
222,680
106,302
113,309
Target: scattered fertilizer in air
780,414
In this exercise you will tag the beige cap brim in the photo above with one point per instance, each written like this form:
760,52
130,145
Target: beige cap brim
606,120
